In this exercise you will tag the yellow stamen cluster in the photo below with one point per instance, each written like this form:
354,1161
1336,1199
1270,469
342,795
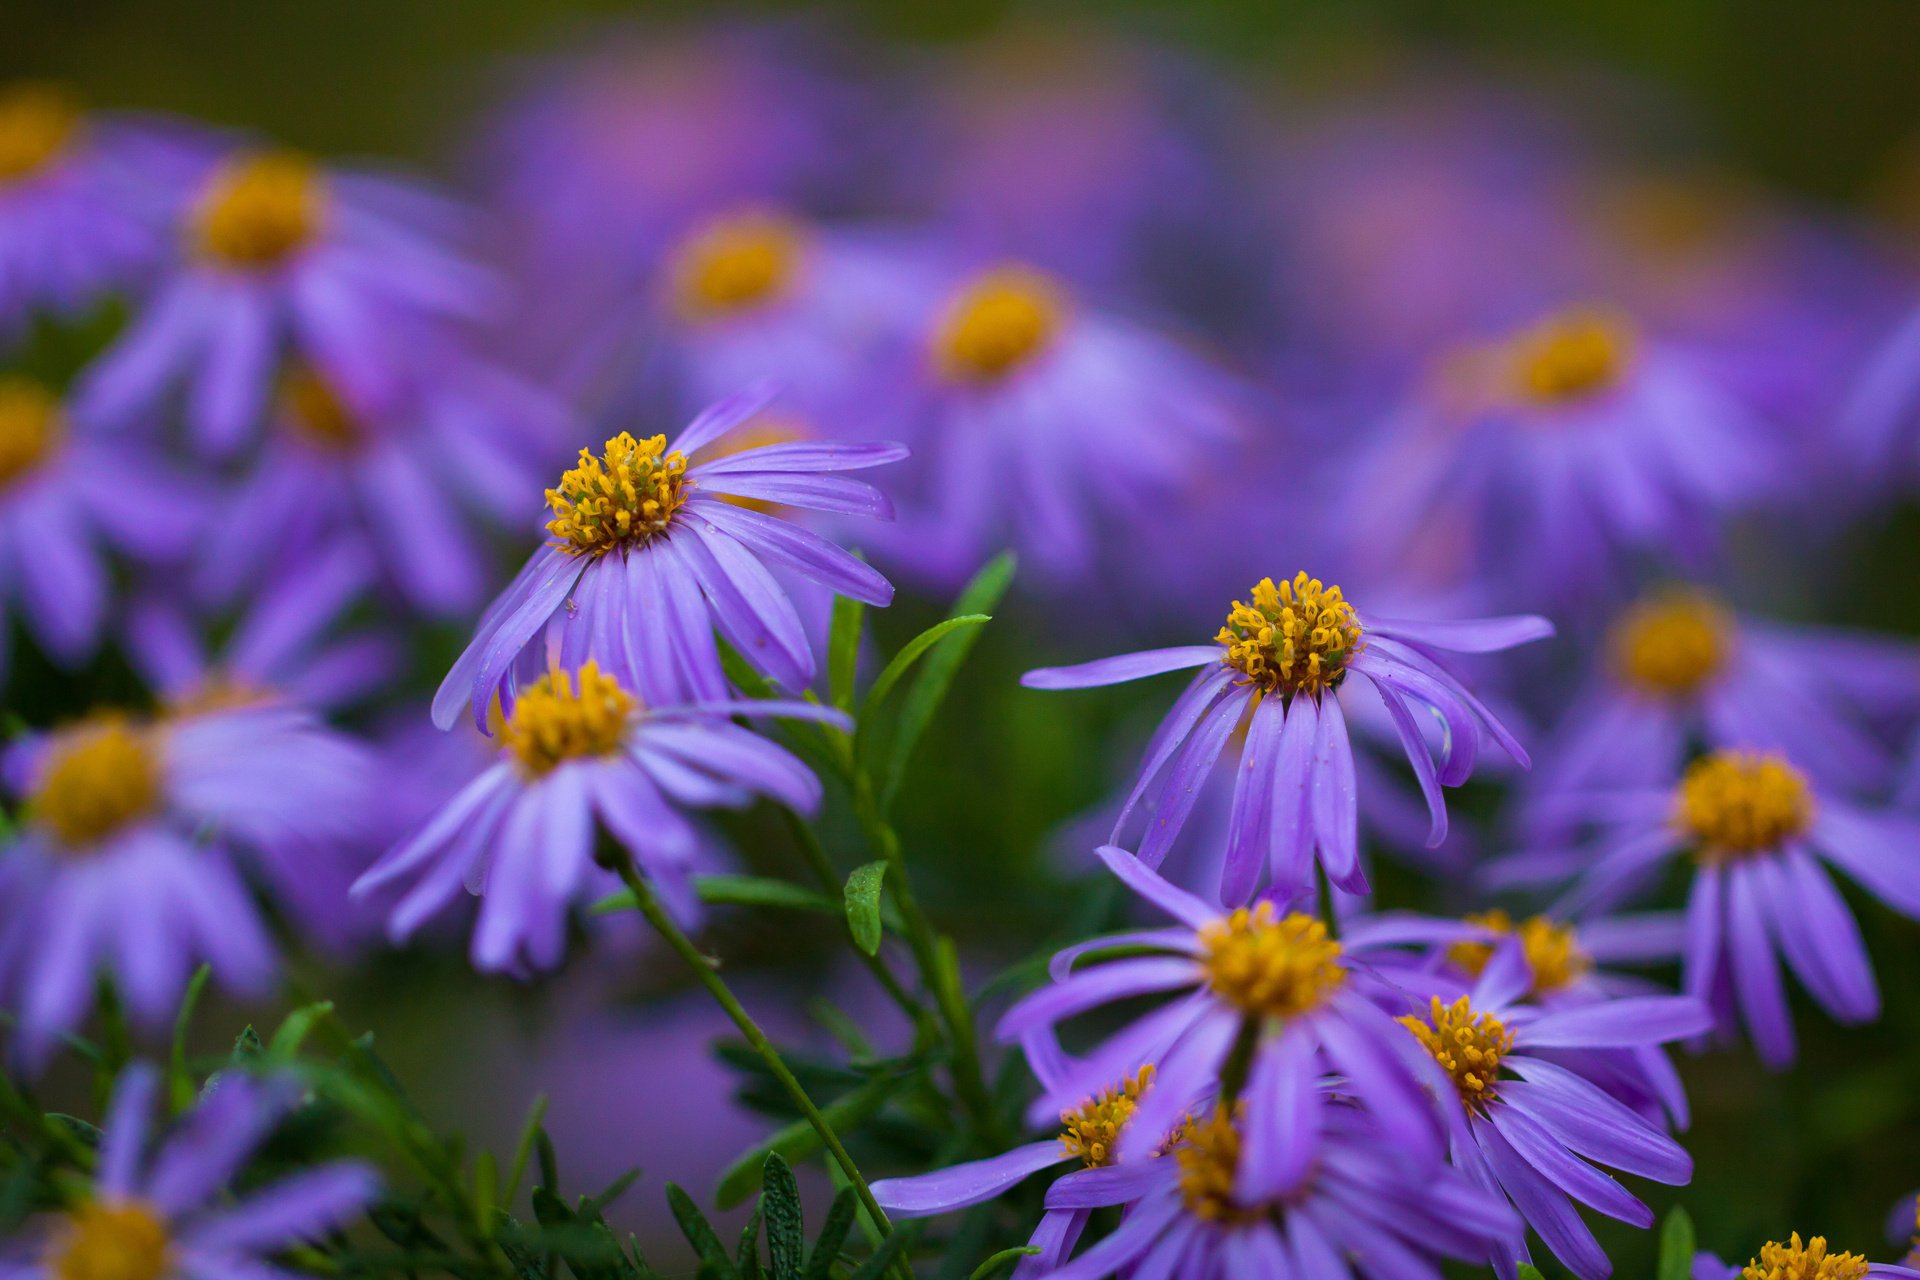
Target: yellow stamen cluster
31,425
1810,1261
1467,1046
1089,1130
1208,1151
38,122
626,495
735,264
1553,952
559,718
259,209
121,1240
1736,803
316,411
1671,645
1269,965
1569,357
1297,637
100,775
999,322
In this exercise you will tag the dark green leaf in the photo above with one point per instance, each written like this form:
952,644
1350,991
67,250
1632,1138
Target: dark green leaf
247,1044
910,653
863,905
897,1242
1676,1246
1001,1260
786,1228
747,1257
1530,1272
799,1140
295,1029
699,1234
179,1082
736,891
833,1234
843,649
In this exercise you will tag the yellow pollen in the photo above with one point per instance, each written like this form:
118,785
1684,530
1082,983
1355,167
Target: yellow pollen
1579,353
260,209
1297,637
1209,1155
1673,644
31,425
1810,1261
101,774
1271,966
1553,953
557,719
316,411
1736,803
1089,1131
736,263
1001,321
38,122
122,1240
1467,1047
626,495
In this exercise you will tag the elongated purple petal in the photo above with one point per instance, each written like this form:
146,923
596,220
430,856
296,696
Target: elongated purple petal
965,1185
1155,888
1121,668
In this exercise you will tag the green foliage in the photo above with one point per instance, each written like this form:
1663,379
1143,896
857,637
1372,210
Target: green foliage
863,905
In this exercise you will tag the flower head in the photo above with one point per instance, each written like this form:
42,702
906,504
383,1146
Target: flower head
736,263
1734,804
1809,1261
1294,638
258,210
38,124
998,324
620,499
1570,357
1551,947
1671,645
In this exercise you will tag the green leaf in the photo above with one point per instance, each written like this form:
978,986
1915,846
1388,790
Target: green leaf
892,1247
1001,1260
863,905
891,674
1676,1246
747,1255
843,649
179,1082
536,1115
833,1235
786,1227
699,1233
247,1044
1530,1272
735,891
293,1032
798,1140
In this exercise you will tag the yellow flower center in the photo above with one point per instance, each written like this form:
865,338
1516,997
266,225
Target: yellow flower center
101,774
626,495
1577,354
1208,1152
1089,1131
37,123
558,719
260,209
1264,964
1553,953
1467,1046
1297,637
123,1240
1810,1261
1736,803
1000,322
31,425
316,411
736,263
1671,645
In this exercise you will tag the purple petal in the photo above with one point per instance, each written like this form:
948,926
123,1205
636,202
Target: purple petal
298,1207
805,552
1121,668
1617,1024
1476,635
1155,888
1756,973
1091,988
721,417
796,456
1567,1171
965,1185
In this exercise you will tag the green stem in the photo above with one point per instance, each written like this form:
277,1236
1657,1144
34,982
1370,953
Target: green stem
1326,901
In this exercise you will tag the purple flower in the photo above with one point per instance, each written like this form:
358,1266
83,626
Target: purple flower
347,273
166,1212
1532,1128
1797,1258
1278,664
1215,1210
579,747
130,856
1756,833
62,494
649,556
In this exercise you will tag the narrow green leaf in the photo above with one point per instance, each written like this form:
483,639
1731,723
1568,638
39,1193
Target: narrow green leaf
293,1032
247,1044
1001,1260
486,1191
735,891
536,1115
893,1246
747,1256
891,674
1530,1272
843,649
786,1226
699,1233
833,1235
180,1088
1676,1246
863,905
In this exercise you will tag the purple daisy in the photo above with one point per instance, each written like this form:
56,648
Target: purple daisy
59,503
1280,664
576,747
1795,1257
649,556
1756,833
1532,1128
165,1215
130,855
279,258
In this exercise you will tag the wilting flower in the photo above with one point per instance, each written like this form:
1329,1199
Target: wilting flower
166,1212
60,498
649,556
1227,1205
578,747
1274,977
1279,664
1535,1128
1795,1259
1756,830
130,855
280,257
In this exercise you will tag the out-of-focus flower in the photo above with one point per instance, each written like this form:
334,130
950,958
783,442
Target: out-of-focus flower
1795,1258
578,746
649,555
129,860
1528,1135
278,257
1281,661
166,1212
1756,830
61,497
